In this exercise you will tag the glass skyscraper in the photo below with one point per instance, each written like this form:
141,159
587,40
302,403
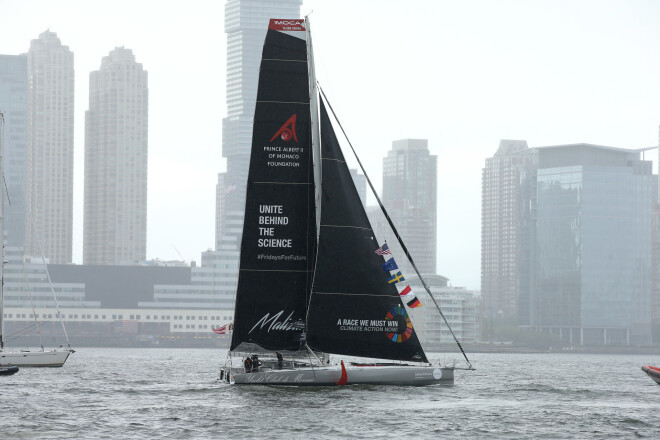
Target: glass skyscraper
585,244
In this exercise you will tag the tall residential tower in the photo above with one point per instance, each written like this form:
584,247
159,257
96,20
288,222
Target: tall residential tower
49,175
410,176
500,187
116,139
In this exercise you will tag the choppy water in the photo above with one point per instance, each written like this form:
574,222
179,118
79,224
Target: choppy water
158,393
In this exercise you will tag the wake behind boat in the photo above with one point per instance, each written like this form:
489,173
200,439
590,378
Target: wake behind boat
312,279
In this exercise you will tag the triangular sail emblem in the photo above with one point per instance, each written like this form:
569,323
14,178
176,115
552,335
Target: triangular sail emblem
287,130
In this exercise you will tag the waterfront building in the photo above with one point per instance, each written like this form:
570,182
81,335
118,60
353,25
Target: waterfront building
410,196
460,306
585,260
118,326
656,275
49,161
500,187
154,302
116,157
13,105
210,287
27,284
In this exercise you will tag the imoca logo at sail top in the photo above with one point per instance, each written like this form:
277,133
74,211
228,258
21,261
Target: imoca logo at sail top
286,25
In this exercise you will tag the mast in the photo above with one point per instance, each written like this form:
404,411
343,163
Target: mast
2,229
315,127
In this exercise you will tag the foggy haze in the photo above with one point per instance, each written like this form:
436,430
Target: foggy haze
461,74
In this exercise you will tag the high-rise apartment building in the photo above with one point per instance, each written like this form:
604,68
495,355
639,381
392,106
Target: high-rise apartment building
116,154
246,22
500,187
13,103
585,267
49,175
410,196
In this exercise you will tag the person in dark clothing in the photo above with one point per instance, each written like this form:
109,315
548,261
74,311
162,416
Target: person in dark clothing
256,363
248,364
279,360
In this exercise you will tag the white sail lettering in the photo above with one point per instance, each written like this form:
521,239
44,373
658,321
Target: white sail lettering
275,324
264,220
270,209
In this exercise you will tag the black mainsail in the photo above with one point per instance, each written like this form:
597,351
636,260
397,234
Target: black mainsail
353,310
329,290
279,232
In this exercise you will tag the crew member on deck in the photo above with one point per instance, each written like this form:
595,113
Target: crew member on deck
279,360
256,363
248,364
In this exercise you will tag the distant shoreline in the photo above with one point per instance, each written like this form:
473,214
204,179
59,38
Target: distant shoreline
222,343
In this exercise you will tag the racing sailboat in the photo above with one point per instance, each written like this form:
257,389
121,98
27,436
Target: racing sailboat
311,278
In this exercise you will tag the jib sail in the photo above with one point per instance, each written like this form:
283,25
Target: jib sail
353,309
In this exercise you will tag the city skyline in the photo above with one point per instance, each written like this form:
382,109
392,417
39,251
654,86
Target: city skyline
550,73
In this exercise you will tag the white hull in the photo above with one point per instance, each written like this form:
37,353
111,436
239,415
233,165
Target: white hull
330,376
54,358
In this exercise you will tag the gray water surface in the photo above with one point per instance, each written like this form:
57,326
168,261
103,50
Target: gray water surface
160,393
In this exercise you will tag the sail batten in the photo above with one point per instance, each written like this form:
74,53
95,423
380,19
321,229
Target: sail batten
352,293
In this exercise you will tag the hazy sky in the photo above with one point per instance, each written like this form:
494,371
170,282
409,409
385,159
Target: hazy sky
462,74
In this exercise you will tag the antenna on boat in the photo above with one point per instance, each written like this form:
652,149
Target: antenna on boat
396,233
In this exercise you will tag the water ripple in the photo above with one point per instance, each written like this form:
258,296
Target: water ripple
119,393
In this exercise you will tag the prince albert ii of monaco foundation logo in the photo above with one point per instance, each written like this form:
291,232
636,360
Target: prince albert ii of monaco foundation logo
287,130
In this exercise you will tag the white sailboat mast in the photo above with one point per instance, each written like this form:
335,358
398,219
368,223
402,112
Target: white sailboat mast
2,230
316,128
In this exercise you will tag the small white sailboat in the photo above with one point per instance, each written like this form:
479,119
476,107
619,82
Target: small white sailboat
312,281
23,357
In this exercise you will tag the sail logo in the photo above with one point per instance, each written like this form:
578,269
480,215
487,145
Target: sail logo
398,313
286,25
287,130
274,323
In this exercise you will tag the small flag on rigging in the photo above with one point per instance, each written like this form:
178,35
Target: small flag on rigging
395,278
383,250
408,295
225,329
390,265
414,303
